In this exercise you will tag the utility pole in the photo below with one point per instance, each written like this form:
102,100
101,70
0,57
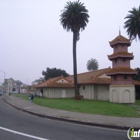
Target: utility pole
27,86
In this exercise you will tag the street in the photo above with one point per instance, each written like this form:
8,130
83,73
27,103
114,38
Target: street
17,125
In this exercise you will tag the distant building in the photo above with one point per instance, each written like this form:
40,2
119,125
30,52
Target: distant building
27,89
23,88
18,84
1,88
38,81
12,86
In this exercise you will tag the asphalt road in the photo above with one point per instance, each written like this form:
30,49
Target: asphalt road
17,125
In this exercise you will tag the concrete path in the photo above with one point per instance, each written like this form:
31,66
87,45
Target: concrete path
82,118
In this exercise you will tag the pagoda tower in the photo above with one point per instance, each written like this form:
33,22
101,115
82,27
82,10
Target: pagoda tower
122,89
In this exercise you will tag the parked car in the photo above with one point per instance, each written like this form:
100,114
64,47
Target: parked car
0,93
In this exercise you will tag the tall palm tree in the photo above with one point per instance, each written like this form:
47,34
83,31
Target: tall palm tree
74,18
92,64
133,23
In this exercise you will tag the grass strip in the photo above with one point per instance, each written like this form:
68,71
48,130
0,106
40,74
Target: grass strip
86,106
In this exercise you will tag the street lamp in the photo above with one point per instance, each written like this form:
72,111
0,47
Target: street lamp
4,77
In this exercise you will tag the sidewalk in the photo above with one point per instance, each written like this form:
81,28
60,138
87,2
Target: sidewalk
75,117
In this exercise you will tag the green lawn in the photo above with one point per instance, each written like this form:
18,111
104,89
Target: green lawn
138,102
87,106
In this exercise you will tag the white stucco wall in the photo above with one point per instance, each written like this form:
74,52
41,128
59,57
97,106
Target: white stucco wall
56,92
122,93
70,93
87,92
37,91
103,92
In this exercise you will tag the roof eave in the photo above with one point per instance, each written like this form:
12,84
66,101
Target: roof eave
124,56
118,42
59,87
109,74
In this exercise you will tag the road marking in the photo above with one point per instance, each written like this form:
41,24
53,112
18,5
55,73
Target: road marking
23,134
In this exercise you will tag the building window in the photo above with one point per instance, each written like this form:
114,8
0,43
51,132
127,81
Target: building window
124,59
83,87
114,77
125,77
78,86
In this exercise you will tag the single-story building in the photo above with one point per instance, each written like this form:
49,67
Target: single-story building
59,87
93,85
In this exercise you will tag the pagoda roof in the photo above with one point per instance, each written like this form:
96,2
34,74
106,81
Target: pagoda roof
120,39
121,54
121,70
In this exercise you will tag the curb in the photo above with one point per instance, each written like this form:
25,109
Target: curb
69,120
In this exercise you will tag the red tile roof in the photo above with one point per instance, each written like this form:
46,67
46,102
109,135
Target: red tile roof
103,81
66,85
83,78
88,77
52,82
92,77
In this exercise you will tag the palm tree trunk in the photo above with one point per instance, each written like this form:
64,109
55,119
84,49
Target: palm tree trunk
75,63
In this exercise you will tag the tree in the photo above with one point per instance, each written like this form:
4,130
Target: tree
137,88
92,64
137,77
54,72
74,18
133,23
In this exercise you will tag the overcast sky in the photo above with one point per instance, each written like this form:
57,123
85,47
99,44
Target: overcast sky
32,38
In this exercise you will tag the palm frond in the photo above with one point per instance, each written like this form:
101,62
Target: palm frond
132,23
74,17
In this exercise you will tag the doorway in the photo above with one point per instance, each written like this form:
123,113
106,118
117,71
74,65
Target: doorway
63,93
